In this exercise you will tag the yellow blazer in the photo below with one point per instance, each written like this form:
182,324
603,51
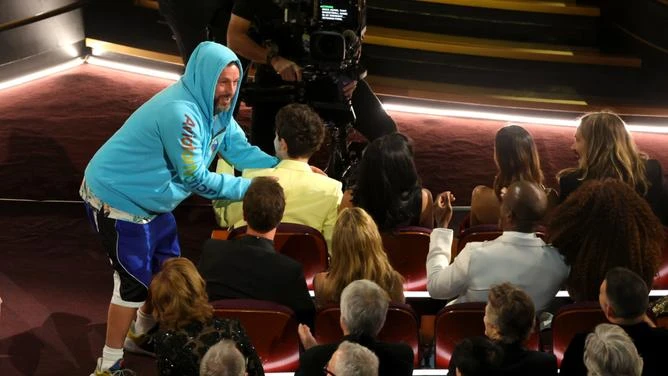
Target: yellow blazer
310,199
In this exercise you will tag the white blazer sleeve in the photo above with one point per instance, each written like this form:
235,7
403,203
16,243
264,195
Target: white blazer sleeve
445,280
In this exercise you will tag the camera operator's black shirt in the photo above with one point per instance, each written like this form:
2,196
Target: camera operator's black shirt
267,25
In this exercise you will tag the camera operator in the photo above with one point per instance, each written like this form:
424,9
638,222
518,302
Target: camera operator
193,22
257,32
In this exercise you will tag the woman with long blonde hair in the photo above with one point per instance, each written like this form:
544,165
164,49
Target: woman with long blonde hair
357,253
187,326
606,149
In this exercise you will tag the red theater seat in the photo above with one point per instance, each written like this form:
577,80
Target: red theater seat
456,322
407,250
661,278
271,327
302,243
478,233
401,325
571,320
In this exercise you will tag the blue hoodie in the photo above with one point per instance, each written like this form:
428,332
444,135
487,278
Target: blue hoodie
162,152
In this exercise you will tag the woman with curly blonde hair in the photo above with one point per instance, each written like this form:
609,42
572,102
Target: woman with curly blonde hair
606,149
516,158
187,327
602,225
357,253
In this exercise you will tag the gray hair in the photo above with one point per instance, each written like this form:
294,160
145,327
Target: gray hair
609,351
355,360
223,359
364,307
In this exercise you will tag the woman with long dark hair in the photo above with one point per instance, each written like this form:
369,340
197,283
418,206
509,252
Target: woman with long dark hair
516,158
388,186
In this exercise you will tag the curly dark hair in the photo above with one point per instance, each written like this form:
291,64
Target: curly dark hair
602,225
301,128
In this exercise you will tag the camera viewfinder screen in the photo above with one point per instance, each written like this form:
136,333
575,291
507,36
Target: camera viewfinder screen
334,10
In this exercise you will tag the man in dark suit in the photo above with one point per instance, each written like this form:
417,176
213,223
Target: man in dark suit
624,298
249,267
363,310
509,319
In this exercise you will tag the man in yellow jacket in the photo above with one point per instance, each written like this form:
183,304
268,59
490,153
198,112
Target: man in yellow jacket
311,199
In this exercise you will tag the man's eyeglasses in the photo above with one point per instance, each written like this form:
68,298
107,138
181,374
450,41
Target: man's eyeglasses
327,372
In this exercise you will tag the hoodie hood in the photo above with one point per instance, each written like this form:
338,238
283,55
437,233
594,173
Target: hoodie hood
202,73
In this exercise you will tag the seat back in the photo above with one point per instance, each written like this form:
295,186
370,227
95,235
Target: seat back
571,320
407,250
661,279
456,322
478,233
271,327
301,243
401,325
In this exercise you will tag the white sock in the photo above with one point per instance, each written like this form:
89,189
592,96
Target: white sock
144,322
110,356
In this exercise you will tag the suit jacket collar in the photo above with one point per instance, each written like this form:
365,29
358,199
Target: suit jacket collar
289,164
521,238
257,242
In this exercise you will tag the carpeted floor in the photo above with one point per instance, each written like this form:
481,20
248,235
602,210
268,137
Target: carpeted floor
54,279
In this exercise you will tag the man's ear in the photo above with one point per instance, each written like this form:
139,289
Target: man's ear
609,312
283,145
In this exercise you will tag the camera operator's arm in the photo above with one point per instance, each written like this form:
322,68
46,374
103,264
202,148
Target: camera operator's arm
239,41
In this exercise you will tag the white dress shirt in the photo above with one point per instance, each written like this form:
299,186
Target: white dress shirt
522,259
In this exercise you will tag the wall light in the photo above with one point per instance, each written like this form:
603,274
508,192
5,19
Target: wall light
514,118
133,68
40,74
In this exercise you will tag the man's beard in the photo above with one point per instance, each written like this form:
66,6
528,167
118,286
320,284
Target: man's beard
221,106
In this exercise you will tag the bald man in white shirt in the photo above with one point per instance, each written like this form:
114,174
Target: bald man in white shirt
518,256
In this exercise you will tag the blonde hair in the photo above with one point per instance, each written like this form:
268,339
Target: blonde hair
357,253
178,294
610,152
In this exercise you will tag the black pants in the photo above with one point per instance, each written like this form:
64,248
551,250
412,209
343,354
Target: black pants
372,120
194,21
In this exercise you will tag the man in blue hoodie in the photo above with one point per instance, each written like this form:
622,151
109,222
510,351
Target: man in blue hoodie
158,158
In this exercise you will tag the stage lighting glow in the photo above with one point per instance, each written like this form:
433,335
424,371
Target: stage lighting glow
71,50
511,118
133,68
40,74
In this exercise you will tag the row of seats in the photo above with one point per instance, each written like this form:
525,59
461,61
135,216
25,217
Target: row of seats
406,248
273,329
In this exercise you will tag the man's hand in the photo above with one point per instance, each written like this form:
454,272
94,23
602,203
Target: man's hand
443,208
288,69
349,89
306,337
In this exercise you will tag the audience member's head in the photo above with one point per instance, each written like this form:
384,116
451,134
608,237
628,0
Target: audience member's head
357,253
523,206
388,181
178,294
609,351
606,149
477,356
299,132
516,158
624,296
223,359
509,314
604,224
352,359
263,204
363,308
